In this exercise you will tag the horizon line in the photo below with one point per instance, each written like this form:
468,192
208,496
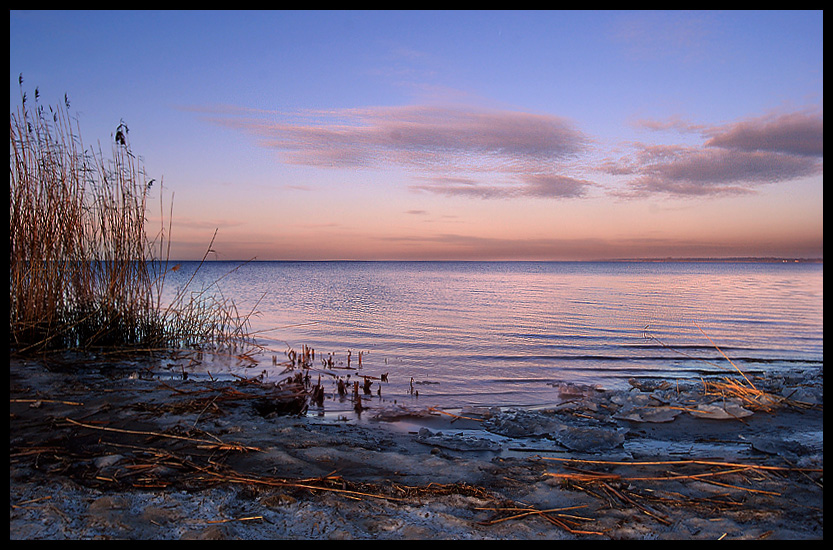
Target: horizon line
668,259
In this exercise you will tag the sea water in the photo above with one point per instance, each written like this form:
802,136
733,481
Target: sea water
456,334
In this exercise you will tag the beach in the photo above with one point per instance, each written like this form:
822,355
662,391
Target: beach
104,449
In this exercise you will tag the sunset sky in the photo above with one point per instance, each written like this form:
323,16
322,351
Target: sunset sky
454,135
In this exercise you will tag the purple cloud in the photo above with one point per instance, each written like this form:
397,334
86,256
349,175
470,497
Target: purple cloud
553,186
497,154
442,142
525,185
735,158
793,133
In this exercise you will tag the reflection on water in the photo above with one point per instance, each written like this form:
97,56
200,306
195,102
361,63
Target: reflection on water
500,333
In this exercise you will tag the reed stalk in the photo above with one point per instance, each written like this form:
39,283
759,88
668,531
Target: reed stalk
83,272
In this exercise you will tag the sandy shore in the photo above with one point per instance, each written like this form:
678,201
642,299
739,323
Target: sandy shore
98,453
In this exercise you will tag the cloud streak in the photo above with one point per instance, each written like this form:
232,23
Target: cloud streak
733,159
460,151
800,134
453,246
526,185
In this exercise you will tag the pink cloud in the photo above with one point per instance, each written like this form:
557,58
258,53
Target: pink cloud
436,142
734,158
792,133
487,154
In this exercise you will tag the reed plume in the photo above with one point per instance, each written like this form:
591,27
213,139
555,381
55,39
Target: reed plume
83,272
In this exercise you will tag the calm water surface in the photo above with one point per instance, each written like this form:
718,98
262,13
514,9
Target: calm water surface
502,333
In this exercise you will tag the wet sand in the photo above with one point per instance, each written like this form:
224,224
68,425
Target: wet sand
99,453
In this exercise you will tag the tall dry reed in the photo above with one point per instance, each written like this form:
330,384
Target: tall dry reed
83,272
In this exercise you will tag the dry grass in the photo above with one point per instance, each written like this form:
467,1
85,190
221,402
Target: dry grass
83,271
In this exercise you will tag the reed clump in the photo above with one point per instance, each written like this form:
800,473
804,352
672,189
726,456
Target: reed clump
83,271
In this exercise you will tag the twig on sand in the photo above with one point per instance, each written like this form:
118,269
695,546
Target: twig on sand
38,401
625,487
203,442
554,515
454,416
250,518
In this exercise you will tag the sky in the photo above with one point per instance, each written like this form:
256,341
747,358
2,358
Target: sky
452,135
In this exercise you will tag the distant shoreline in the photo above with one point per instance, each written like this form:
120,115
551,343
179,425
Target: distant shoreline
761,260
725,260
